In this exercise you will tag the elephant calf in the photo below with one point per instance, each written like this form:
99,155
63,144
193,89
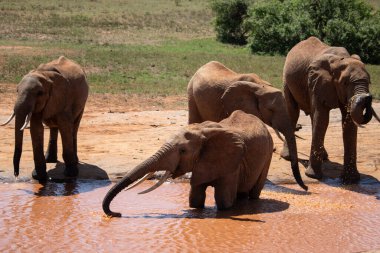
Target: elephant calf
233,156
54,94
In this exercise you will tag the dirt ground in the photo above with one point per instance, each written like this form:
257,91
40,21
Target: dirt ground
119,131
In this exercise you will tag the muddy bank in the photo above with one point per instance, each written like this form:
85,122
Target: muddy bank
118,132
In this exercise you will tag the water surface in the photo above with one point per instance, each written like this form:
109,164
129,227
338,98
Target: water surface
67,217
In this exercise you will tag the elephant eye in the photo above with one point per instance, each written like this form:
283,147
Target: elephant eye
40,93
182,151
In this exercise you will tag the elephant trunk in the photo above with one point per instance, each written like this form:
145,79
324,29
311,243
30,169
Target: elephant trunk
23,114
361,108
292,146
19,135
149,165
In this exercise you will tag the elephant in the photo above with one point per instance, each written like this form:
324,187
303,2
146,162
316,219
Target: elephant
215,91
318,78
54,94
233,156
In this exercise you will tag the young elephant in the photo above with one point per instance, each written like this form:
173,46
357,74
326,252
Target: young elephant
232,156
318,78
215,91
54,94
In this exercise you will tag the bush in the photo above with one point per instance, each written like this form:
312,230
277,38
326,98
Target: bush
229,17
275,26
369,37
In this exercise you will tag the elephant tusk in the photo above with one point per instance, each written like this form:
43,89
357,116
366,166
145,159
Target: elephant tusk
162,180
278,135
9,119
299,137
375,115
147,176
27,119
358,125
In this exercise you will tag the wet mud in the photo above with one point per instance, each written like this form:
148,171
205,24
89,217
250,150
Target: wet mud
68,217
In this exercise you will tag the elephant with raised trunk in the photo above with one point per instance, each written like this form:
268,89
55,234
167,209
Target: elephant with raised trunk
54,94
215,91
318,78
233,156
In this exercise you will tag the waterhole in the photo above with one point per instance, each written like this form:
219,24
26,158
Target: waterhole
67,217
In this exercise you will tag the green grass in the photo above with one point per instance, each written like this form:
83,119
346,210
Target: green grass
135,47
162,69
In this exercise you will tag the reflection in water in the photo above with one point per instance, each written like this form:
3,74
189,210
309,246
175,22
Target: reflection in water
68,217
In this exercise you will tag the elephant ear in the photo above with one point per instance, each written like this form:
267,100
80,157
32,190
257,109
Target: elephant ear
56,86
357,57
321,80
241,96
221,153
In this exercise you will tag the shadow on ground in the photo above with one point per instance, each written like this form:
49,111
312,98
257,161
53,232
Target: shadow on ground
241,208
86,171
368,184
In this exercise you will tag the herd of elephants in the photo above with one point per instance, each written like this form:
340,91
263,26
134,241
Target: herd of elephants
226,144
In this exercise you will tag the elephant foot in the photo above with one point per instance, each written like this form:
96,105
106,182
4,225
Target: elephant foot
71,171
200,206
316,174
223,207
41,177
324,156
350,177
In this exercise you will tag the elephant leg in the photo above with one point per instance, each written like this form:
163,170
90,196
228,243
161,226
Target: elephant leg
323,153
197,196
51,153
37,134
226,191
194,115
350,173
294,113
320,121
75,135
255,192
66,130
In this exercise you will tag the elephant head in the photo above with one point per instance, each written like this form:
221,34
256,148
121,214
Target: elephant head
196,149
268,104
345,78
40,95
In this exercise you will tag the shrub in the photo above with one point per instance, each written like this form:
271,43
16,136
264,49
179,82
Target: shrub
229,17
369,37
276,26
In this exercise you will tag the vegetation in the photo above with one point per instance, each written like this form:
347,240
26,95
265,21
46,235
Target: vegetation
275,26
229,17
126,46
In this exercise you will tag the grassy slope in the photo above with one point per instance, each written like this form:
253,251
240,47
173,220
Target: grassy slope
145,47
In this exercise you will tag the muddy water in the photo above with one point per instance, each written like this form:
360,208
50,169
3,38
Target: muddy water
67,217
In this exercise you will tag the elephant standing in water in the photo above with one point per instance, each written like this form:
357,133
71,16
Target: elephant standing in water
54,94
318,78
233,156
215,91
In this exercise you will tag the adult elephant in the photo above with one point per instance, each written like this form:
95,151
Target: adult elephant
318,78
54,94
215,91
233,156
